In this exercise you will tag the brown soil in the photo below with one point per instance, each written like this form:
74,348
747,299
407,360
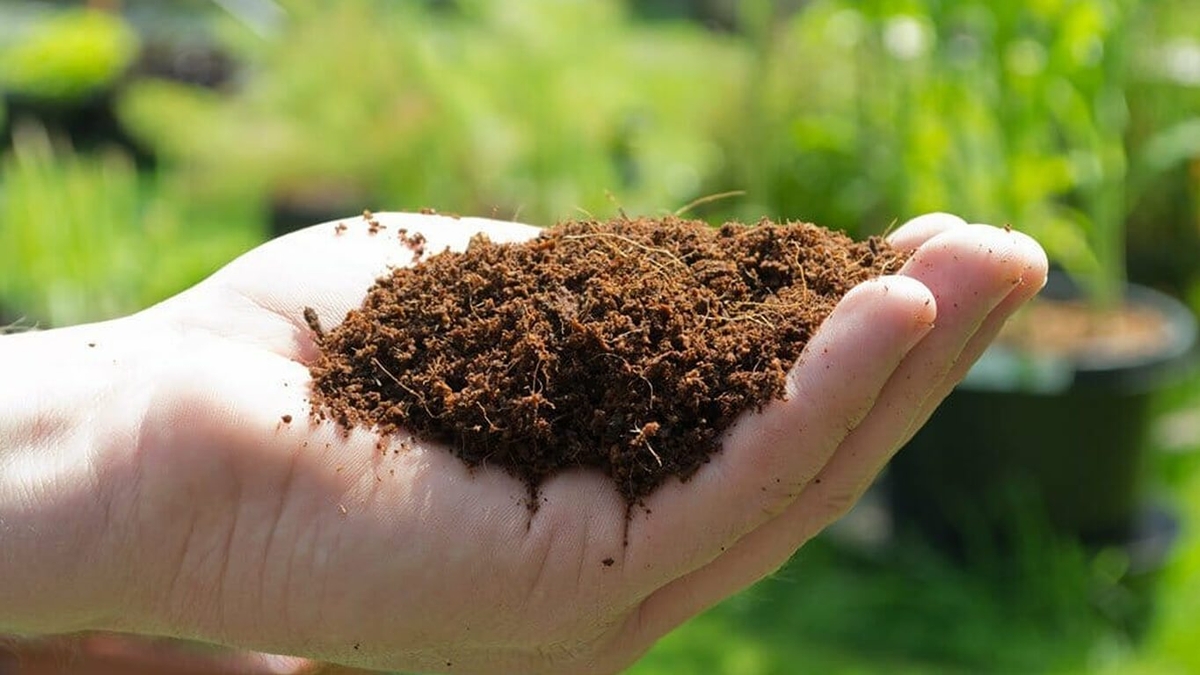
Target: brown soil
1074,329
629,346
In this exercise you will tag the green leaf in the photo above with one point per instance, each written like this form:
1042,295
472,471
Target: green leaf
1169,148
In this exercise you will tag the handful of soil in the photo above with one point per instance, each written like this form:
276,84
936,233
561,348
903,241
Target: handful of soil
629,346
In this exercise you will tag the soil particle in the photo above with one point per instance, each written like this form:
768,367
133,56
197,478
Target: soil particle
1072,329
286,419
314,323
607,562
414,242
629,346
426,211
373,226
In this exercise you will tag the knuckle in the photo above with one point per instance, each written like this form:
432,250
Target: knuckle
836,501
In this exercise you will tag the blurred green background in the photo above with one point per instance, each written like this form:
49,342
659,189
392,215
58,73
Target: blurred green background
146,143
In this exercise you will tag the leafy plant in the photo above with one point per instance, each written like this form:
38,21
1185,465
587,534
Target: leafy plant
1164,132
534,107
1005,112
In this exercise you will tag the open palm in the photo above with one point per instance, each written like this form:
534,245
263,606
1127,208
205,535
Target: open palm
252,525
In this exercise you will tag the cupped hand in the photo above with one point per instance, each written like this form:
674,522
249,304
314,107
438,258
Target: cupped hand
239,519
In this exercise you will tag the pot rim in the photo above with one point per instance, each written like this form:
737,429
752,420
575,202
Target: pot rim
1004,368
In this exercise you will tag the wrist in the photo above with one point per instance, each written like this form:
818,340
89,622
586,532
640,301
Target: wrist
66,407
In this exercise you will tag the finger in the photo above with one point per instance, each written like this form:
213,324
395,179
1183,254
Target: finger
973,271
921,229
925,227
970,272
1032,282
769,456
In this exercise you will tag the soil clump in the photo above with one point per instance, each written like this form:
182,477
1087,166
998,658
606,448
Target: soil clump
630,345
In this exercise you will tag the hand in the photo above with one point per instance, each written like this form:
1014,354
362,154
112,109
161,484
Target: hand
226,523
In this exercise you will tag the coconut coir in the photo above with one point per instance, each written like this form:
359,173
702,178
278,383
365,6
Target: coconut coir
629,346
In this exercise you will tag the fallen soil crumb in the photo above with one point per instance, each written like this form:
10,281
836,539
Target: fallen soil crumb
414,242
629,346
286,419
373,226
427,211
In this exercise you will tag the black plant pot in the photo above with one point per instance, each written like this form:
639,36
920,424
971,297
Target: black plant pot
1053,443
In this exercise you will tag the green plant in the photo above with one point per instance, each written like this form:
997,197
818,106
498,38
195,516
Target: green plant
834,610
70,55
1164,130
83,237
536,108
1005,112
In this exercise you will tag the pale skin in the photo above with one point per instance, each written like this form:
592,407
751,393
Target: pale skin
150,485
